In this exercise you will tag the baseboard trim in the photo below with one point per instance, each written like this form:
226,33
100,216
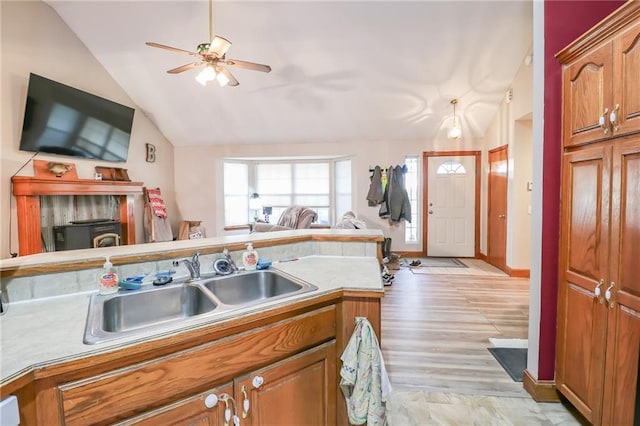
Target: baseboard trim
518,273
540,391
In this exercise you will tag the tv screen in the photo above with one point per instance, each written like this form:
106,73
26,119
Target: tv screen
60,119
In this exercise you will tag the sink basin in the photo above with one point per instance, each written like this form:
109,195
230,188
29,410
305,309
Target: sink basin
255,286
131,313
125,312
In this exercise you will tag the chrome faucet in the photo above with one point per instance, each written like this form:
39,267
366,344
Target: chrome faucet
232,264
193,265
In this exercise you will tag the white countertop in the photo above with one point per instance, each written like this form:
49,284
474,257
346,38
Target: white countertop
46,331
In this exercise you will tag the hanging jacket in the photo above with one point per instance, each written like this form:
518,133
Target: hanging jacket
384,207
364,381
398,200
375,195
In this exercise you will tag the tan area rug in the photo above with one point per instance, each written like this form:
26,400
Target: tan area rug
473,267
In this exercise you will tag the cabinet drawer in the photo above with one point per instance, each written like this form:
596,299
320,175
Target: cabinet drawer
144,386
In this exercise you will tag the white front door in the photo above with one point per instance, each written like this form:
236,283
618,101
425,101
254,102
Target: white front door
451,206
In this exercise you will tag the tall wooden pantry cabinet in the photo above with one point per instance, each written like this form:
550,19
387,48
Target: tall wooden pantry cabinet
598,336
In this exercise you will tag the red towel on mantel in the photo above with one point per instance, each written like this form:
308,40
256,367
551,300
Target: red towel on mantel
157,203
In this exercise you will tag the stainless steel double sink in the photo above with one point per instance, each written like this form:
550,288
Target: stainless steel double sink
136,312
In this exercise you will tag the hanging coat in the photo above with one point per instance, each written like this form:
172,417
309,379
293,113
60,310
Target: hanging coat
398,199
375,195
384,207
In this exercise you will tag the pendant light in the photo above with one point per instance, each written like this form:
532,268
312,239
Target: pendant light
455,131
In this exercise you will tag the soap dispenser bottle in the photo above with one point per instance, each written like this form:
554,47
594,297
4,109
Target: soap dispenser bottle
250,258
108,279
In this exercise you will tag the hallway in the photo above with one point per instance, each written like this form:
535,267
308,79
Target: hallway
435,334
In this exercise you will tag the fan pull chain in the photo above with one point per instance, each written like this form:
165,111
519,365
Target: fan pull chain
210,20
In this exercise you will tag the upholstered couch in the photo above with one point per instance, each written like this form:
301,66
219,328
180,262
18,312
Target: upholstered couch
294,217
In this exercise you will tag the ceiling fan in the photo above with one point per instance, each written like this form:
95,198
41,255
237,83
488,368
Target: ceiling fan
213,56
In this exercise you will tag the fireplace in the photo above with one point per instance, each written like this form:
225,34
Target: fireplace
28,190
87,234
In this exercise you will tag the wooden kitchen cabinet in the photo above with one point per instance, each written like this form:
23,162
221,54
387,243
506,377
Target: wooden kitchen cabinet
598,334
189,411
298,391
584,241
156,385
601,87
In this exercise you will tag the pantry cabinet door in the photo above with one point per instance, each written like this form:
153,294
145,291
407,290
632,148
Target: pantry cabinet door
626,96
582,315
623,342
587,97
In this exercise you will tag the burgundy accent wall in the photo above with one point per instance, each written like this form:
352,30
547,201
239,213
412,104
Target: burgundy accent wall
564,21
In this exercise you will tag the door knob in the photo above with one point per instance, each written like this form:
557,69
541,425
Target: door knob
501,216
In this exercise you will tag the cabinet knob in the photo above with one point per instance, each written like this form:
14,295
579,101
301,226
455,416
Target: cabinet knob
211,400
613,117
598,292
257,382
245,402
609,295
602,121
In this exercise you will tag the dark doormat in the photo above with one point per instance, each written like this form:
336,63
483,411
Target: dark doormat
513,360
440,262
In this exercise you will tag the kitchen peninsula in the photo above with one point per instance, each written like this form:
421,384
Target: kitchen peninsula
291,345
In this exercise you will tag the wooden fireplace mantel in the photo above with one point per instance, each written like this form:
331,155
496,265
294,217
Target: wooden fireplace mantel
28,190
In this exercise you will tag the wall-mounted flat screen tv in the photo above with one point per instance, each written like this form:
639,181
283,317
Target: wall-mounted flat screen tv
60,119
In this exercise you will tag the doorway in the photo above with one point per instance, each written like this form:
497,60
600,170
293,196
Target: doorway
451,200
497,208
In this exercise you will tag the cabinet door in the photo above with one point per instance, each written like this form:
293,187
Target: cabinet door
300,390
587,96
192,411
626,96
623,342
582,316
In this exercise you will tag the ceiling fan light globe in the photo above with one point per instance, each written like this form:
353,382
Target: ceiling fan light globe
206,75
223,80
219,46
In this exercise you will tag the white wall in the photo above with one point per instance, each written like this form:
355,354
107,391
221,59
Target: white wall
512,126
34,39
199,175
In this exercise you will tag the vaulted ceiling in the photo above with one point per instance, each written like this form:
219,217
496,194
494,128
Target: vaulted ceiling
356,71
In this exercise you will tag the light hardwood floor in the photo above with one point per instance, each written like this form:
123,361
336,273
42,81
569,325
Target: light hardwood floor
435,334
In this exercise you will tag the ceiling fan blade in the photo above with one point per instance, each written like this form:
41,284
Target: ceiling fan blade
173,49
219,46
184,67
232,79
248,65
